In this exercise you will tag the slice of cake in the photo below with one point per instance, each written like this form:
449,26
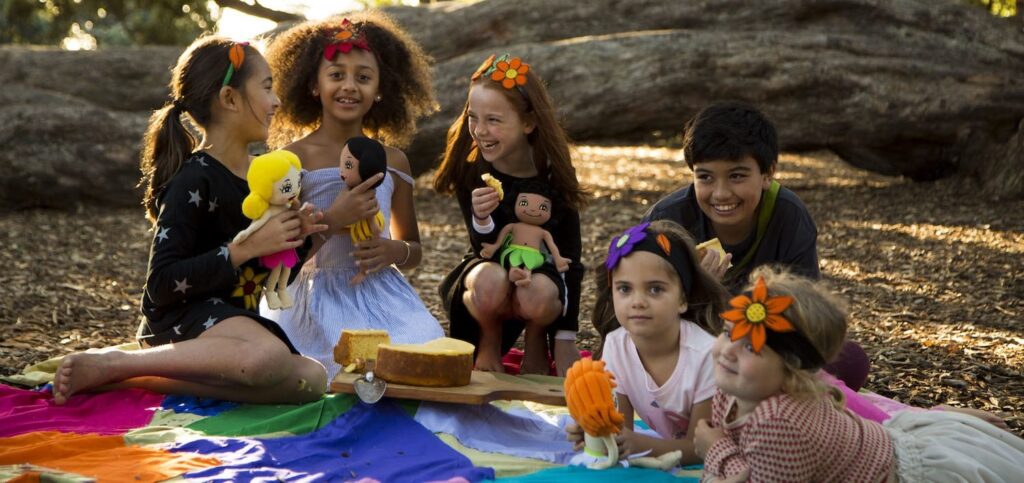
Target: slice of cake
357,347
443,362
712,244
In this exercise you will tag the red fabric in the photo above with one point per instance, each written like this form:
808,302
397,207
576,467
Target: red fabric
513,361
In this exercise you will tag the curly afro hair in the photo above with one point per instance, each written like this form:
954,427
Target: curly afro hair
405,78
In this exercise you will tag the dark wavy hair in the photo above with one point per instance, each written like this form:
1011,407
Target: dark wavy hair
707,297
196,81
731,131
405,78
551,153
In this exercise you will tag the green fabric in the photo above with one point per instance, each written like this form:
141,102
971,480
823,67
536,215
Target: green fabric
563,474
42,372
157,435
763,218
504,465
49,475
257,419
521,255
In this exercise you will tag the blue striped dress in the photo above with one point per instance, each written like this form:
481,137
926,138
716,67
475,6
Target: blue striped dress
325,303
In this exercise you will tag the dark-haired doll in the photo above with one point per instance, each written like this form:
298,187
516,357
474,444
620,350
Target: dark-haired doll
361,158
521,241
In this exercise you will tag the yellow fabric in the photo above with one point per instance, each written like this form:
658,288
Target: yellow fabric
504,465
42,372
105,458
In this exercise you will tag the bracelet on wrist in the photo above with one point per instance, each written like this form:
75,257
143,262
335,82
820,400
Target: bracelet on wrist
408,253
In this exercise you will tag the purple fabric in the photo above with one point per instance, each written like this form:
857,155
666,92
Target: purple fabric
380,442
114,412
851,365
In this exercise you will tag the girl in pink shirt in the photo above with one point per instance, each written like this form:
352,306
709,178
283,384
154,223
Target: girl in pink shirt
667,307
773,419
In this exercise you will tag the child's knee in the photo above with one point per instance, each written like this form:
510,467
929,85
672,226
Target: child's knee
539,304
310,376
263,365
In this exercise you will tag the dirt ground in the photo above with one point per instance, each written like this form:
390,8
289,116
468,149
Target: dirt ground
933,273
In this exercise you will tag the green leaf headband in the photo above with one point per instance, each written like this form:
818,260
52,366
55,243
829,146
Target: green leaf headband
237,55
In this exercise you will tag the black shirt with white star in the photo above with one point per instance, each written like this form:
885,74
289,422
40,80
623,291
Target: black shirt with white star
190,282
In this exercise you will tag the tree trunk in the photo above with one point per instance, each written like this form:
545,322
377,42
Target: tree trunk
919,88
925,89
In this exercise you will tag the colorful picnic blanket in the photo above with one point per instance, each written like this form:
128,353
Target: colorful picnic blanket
136,435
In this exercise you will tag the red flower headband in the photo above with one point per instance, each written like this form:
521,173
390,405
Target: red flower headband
348,37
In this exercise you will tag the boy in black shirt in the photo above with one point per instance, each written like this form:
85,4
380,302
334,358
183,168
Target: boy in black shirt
733,151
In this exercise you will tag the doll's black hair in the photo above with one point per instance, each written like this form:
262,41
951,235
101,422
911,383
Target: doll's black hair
371,155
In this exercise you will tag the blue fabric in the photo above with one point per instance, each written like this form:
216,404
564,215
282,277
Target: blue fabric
196,405
379,441
574,474
487,428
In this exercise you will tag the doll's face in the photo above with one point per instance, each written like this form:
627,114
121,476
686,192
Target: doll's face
286,189
533,208
349,168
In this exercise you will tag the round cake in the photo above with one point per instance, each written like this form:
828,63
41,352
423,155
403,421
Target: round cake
443,362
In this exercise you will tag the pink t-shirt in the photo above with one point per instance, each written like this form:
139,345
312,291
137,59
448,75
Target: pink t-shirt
665,409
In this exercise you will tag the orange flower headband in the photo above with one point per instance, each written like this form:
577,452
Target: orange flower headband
236,54
348,37
508,71
760,317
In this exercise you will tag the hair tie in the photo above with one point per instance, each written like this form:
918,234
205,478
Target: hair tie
508,71
759,316
236,55
638,238
348,37
178,104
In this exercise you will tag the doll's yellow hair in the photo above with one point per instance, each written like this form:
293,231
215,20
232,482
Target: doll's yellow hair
264,171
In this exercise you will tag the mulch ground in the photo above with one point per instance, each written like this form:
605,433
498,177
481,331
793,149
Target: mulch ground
933,272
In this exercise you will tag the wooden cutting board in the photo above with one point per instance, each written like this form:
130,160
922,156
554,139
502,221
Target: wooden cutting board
483,388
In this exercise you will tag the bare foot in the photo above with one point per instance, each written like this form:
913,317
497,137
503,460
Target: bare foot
489,363
535,364
517,275
83,371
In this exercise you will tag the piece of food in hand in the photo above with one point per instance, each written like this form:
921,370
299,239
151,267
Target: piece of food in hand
493,183
442,362
357,347
712,244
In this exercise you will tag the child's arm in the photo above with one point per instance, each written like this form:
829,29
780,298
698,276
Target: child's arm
403,248
763,444
659,446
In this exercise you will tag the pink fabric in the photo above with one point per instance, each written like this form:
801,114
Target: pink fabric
113,412
857,403
287,258
513,361
666,408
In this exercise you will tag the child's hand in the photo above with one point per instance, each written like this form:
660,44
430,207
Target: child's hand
705,436
377,253
309,220
355,204
574,434
714,264
485,201
279,233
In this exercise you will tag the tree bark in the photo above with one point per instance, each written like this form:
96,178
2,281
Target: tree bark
912,87
922,89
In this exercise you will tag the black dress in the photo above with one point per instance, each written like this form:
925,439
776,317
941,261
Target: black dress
565,230
190,283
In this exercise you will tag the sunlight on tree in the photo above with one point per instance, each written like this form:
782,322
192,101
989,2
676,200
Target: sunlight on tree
999,8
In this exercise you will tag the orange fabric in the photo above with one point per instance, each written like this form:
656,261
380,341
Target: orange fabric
103,457
588,393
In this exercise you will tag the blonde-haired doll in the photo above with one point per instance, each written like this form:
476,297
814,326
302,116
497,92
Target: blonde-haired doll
273,187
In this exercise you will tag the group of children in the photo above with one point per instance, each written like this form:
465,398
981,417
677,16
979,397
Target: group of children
682,355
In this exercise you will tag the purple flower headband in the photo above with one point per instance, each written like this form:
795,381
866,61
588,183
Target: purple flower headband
636,239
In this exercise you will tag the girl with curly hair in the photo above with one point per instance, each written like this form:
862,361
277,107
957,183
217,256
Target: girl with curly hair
342,79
